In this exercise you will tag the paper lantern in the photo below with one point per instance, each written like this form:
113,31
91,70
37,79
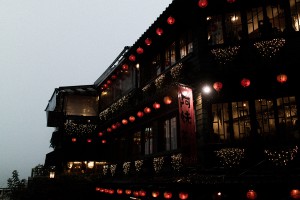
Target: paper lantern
74,139
109,130
111,191
119,191
183,195
113,77
131,118
218,86
159,31
89,140
171,20
202,3
148,41
108,82
251,194
168,195
295,194
114,126
155,194
128,191
136,193
245,82
118,124
156,105
230,1
100,134
103,141
105,85
167,100
132,57
142,193
125,67
281,78
124,121
140,114
147,110
140,50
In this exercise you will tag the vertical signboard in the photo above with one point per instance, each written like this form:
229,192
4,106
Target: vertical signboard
187,123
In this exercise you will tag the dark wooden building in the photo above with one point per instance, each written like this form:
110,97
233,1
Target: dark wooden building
204,105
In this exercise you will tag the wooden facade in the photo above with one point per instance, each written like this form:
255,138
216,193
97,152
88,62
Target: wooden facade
206,98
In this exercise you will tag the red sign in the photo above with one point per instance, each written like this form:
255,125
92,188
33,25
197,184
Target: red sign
187,123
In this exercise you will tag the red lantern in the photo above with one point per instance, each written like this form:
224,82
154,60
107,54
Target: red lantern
295,194
119,191
251,194
142,193
245,82
108,82
103,141
168,195
230,1
148,41
171,20
74,139
140,114
131,118
147,110
132,57
159,31
281,78
118,124
155,194
113,77
111,191
167,100
114,126
183,195
218,86
105,85
202,3
136,193
109,129
100,134
89,140
124,121
128,192
125,67
140,50
156,105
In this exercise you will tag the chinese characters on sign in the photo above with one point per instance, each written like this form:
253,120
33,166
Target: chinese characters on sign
187,122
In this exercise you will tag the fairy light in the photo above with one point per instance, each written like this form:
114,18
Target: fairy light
230,157
176,71
105,168
176,161
138,165
158,163
160,80
74,128
281,157
126,167
225,55
121,103
113,168
270,48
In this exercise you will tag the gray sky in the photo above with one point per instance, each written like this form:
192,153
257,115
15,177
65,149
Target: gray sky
45,44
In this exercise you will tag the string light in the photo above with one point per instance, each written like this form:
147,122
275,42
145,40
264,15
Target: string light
225,55
176,161
281,157
270,48
138,165
126,167
113,169
158,163
230,157
74,128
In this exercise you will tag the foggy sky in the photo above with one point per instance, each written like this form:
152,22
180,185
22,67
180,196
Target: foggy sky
45,44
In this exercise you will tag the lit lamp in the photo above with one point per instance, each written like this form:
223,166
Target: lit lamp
159,31
168,195
281,78
251,194
218,86
167,100
245,82
171,20
183,195
202,3
52,174
295,194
